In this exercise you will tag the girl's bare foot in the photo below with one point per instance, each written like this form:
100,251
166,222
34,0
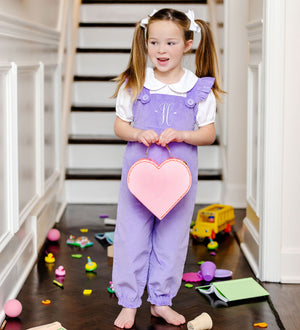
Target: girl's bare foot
125,319
168,314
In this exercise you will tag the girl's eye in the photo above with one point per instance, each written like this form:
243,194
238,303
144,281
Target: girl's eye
153,43
171,43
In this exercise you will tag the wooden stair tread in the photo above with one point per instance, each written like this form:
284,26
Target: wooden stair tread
102,139
115,174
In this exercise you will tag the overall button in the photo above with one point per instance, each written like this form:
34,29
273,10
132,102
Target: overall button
190,102
145,98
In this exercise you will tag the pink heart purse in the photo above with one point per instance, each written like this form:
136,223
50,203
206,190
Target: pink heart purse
159,187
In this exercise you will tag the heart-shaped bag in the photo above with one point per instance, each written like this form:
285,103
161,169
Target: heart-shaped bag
159,187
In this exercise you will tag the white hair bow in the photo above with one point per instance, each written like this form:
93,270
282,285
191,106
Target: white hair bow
193,26
145,21
190,15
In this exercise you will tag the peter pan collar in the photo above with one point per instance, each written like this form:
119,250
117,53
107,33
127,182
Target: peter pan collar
185,84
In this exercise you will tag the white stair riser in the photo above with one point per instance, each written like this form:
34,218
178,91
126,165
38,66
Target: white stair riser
86,122
92,123
107,64
93,93
118,38
132,13
88,156
100,64
107,191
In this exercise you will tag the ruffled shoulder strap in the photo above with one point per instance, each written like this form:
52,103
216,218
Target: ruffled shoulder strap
200,91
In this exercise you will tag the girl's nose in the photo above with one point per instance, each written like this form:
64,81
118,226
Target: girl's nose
161,49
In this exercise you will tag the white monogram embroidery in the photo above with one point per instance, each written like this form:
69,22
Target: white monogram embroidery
166,110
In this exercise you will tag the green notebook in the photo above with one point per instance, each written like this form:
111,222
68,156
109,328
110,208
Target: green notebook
233,290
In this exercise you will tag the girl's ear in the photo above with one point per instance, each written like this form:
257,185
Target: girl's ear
188,45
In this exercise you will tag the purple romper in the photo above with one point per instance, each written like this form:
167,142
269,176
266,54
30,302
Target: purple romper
147,251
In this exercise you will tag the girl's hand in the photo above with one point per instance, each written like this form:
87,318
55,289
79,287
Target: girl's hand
170,135
147,137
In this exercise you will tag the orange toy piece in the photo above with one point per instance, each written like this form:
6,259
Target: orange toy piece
46,302
260,325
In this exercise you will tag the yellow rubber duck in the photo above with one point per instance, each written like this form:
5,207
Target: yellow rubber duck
49,258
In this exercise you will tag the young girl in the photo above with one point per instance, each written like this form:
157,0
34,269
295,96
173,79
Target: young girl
157,107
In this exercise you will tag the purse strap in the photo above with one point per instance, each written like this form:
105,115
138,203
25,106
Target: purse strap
146,156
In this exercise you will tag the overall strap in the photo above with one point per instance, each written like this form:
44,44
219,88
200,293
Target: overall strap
200,91
144,96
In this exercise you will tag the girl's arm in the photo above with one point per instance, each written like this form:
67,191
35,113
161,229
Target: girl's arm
204,135
125,131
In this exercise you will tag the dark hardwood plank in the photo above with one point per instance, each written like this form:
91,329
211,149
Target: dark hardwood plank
98,311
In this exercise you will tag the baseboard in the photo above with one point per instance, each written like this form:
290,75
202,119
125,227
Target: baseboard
290,266
250,245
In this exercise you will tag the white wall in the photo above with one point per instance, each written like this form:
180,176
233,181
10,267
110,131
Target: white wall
290,250
31,35
235,102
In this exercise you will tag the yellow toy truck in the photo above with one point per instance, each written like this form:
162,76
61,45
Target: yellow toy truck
213,219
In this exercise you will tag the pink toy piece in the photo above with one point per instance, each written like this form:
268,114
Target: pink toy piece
53,235
159,187
192,277
60,271
13,308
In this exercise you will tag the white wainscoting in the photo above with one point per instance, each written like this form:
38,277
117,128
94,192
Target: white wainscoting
30,138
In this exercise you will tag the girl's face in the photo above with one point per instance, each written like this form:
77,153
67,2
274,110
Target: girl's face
166,47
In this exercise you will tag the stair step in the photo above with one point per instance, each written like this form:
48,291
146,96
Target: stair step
105,139
94,78
95,139
92,109
107,191
115,174
146,1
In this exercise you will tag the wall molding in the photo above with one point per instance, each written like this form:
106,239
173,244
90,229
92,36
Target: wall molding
16,28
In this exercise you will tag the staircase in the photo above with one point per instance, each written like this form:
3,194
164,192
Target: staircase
94,155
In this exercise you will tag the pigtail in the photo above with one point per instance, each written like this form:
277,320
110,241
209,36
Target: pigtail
135,74
206,58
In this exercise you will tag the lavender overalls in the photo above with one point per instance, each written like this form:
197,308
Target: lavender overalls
148,251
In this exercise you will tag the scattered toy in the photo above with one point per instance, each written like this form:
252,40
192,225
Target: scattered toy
60,271
87,292
53,235
212,245
188,285
46,302
213,254
111,289
81,241
107,237
208,269
110,222
77,256
260,325
13,308
201,322
84,230
91,265
49,258
192,277
103,216
58,284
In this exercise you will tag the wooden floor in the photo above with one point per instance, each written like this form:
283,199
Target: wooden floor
75,311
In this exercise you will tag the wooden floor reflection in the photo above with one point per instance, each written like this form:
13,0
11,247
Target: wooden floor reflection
76,311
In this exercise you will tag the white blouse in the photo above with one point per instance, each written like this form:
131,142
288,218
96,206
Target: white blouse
206,109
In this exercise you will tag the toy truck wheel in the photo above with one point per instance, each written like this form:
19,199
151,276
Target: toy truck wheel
213,235
228,228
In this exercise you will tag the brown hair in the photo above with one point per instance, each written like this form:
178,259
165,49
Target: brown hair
206,57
